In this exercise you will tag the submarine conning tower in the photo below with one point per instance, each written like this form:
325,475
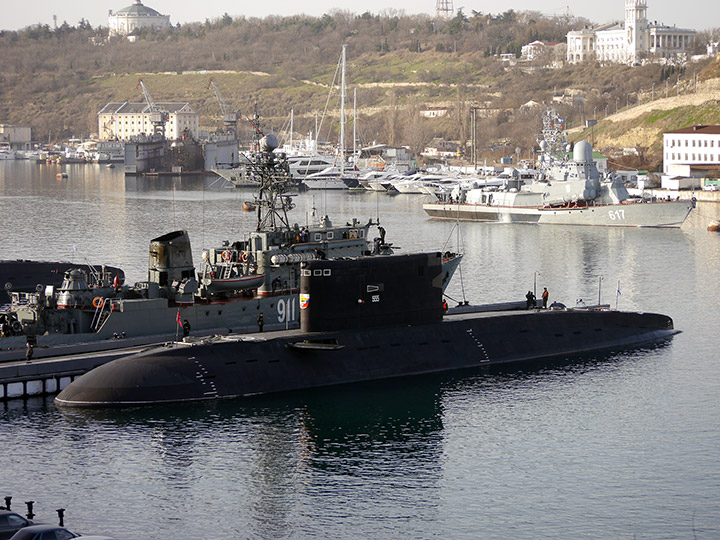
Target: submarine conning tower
171,266
343,294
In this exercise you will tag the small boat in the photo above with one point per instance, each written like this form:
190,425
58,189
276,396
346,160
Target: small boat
234,283
110,166
248,206
61,175
714,226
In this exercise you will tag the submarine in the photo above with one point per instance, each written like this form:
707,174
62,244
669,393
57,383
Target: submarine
361,319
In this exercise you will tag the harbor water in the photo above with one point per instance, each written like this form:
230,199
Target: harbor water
621,445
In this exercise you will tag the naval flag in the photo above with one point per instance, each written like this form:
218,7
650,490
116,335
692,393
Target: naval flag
178,319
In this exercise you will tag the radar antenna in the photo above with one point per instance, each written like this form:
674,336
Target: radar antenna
553,141
272,172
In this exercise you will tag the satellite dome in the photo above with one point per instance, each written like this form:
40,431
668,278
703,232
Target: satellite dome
582,152
543,145
268,143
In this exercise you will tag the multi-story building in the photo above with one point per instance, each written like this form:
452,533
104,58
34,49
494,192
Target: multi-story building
549,51
15,137
124,120
691,151
630,41
126,20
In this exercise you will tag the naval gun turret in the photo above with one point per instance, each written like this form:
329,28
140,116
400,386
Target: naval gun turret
171,269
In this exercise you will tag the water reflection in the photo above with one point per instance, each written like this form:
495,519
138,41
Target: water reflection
510,452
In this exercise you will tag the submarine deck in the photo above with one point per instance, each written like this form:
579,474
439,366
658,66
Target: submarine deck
47,376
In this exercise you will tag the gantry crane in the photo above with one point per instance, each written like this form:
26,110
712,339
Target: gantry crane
229,118
158,116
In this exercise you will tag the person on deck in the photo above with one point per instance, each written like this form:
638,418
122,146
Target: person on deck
545,296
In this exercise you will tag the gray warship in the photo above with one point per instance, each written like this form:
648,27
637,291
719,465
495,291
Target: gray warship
566,192
238,285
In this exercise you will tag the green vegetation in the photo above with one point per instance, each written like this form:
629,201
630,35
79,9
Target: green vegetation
55,80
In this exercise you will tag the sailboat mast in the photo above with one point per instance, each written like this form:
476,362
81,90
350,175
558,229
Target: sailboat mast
354,125
342,111
292,111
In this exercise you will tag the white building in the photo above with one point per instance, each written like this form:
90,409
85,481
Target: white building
434,112
124,120
630,41
691,151
15,137
548,51
135,17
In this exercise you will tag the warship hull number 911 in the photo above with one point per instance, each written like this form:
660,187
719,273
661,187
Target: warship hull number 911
287,310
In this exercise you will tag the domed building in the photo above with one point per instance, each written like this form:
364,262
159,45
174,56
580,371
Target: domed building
135,17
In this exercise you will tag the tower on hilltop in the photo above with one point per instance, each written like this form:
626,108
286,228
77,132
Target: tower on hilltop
444,9
635,26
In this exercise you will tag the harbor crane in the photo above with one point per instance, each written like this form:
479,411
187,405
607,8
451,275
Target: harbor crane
229,118
158,116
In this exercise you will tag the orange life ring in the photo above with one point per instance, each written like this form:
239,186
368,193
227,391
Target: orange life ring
245,256
97,302
226,255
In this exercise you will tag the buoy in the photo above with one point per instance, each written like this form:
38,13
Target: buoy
226,255
245,256
714,226
97,302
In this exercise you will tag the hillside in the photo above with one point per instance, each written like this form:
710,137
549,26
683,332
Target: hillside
641,127
56,80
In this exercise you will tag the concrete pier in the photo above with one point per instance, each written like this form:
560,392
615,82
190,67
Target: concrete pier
20,379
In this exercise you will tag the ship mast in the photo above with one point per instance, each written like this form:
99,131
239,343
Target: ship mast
342,111
273,174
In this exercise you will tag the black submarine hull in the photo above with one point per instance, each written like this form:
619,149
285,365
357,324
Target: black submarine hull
24,276
283,361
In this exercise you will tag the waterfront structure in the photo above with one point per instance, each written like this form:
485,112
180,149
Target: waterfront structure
121,121
630,41
132,18
691,151
15,137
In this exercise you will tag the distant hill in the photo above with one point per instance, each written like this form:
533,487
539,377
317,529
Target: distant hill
641,127
56,80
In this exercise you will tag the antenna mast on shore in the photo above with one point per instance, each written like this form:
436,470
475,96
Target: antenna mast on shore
444,9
